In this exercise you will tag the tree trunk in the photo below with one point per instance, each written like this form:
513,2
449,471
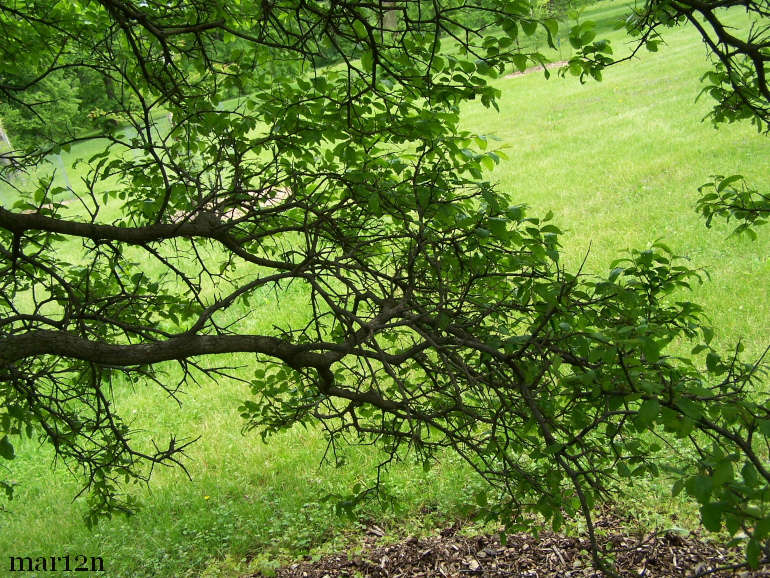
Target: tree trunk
389,16
109,87
5,146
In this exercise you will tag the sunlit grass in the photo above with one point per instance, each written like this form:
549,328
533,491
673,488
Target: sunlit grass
620,162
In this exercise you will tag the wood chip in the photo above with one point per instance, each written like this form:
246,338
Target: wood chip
549,556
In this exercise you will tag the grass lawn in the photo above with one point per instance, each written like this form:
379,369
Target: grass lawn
618,162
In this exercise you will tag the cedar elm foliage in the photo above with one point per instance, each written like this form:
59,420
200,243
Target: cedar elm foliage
438,313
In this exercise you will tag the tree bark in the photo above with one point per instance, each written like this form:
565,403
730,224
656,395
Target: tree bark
67,344
5,146
389,17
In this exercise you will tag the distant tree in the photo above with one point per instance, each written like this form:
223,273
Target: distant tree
53,113
439,315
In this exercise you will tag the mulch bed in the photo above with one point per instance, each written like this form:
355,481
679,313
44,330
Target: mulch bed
549,555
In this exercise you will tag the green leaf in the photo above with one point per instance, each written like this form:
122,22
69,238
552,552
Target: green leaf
528,26
651,350
360,29
367,61
511,28
712,361
6,449
520,61
764,427
723,473
750,474
700,488
732,523
374,203
762,528
724,183
711,514
488,163
615,273
498,227
552,26
438,64
677,488
753,551
647,413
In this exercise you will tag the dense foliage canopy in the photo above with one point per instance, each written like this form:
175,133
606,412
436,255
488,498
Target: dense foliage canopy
315,146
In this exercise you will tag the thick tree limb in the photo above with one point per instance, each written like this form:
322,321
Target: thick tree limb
21,222
67,344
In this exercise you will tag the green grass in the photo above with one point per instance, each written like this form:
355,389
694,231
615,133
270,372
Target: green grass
618,162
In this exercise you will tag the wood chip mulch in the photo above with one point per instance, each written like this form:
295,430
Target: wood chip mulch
450,554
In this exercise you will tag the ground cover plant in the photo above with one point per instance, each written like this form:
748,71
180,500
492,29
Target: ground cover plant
438,308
